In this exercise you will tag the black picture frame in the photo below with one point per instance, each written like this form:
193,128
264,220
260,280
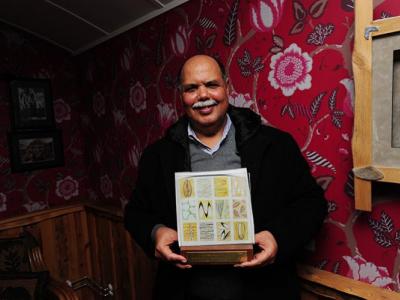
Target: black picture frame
31,104
31,150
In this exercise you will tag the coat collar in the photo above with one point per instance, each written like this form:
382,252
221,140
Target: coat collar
246,123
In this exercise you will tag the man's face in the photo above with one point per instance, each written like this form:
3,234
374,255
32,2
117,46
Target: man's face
204,93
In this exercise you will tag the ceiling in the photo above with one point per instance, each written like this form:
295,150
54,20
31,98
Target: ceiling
78,25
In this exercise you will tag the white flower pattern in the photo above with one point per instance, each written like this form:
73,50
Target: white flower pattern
367,272
240,100
166,115
290,70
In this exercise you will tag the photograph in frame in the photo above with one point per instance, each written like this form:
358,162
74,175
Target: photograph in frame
31,104
33,150
385,101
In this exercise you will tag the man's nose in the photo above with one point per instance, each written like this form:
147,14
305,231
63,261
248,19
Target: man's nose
203,93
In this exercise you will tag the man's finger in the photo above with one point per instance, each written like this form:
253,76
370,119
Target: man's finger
176,257
183,266
178,260
260,259
167,254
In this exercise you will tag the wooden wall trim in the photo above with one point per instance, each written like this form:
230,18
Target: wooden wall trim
39,216
112,212
108,211
346,285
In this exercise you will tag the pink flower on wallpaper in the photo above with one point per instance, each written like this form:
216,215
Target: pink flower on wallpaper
133,156
3,202
266,14
290,70
126,58
367,272
180,41
166,115
67,188
99,104
62,110
137,97
35,206
106,186
240,100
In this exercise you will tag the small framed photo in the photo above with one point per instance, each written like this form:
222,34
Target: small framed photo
33,150
31,104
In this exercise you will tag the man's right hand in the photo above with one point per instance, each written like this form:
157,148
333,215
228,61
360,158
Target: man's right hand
164,238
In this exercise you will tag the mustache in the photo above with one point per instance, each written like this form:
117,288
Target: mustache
201,104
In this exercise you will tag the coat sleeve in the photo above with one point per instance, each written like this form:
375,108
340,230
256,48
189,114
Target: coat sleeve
304,212
143,210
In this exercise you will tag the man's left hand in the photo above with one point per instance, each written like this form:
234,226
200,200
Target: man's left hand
269,248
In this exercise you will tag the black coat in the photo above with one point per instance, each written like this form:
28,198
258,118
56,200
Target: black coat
285,199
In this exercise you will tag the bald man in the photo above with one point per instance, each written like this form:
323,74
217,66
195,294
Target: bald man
288,205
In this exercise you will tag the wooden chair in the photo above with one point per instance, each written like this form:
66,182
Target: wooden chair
21,263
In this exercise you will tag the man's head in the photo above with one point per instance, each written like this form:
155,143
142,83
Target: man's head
204,92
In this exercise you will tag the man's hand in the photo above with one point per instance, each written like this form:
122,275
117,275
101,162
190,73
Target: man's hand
267,243
164,238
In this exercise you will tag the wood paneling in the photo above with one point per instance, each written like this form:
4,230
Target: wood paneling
88,240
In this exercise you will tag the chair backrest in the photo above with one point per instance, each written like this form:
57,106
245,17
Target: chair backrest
21,254
22,271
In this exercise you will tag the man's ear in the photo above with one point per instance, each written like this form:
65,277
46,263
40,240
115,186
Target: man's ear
228,86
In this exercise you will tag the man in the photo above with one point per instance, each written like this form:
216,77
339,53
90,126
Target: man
288,206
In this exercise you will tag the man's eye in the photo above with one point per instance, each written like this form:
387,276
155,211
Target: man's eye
190,89
213,85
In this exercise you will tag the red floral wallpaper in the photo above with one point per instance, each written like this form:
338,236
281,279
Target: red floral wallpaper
22,56
288,60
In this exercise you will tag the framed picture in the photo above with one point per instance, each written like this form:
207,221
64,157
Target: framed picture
386,101
376,135
31,104
32,150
